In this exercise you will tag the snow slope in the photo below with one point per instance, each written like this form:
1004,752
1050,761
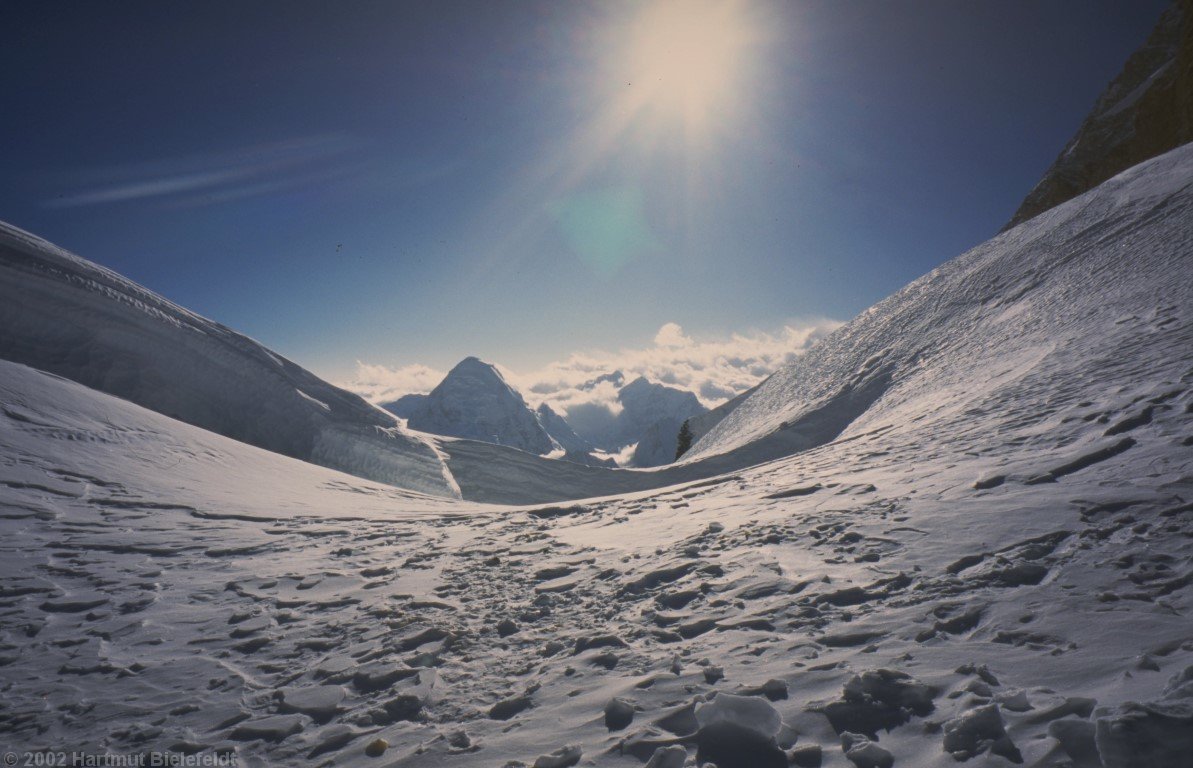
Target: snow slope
1055,294
989,564
701,425
1069,292
66,315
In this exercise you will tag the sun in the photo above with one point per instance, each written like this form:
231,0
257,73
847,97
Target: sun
685,58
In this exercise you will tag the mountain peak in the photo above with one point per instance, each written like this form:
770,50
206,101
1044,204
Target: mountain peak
471,363
475,401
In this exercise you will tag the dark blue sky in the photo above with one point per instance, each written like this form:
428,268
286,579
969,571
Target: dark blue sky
402,182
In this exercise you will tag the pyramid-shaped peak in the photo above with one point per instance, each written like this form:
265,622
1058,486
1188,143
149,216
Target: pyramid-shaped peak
471,363
475,368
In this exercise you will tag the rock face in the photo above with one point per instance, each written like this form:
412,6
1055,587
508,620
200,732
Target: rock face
1146,111
474,401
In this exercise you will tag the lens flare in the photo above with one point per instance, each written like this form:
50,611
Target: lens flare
684,58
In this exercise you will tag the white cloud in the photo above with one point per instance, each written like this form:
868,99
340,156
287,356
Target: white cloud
715,369
382,384
671,335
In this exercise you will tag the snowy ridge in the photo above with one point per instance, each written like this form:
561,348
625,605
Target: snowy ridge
63,314
1053,292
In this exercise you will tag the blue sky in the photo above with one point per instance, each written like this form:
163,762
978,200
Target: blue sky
413,182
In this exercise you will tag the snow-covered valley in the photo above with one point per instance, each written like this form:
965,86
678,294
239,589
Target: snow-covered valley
955,530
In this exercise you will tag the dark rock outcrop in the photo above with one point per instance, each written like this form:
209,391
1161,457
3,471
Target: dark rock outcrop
1146,111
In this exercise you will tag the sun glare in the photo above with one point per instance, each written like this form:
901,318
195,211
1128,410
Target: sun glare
685,58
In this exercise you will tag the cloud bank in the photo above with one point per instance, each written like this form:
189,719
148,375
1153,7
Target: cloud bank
715,369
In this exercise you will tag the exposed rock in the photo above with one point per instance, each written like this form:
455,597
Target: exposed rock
1144,112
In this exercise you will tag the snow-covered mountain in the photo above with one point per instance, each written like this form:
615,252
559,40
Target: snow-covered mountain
616,378
561,432
63,314
651,416
406,405
475,401
657,444
955,532
989,565
648,416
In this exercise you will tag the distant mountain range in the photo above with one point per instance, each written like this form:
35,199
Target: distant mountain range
475,401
